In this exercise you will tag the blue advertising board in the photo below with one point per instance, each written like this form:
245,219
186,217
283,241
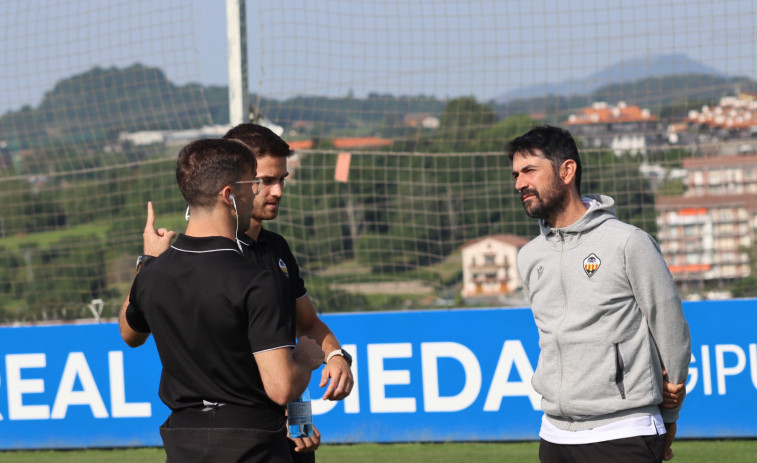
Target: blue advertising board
452,375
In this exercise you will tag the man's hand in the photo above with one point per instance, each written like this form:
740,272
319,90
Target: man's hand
670,434
155,240
307,444
672,394
338,370
308,353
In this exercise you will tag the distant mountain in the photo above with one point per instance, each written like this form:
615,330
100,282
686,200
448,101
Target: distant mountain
96,105
99,103
666,96
620,73
655,92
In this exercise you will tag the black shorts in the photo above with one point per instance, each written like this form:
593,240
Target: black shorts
229,433
639,449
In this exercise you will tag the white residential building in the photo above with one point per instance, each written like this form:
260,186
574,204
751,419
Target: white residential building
704,238
490,265
719,175
705,234
621,128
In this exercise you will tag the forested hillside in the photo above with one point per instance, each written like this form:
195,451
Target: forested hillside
72,197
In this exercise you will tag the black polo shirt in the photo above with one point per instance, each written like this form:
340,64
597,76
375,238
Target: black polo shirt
272,252
209,310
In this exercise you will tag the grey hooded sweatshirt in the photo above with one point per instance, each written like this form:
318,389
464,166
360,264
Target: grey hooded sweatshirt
609,318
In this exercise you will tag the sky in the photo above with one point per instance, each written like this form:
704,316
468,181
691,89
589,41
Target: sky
444,48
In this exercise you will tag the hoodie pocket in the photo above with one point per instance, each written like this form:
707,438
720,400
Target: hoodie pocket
619,367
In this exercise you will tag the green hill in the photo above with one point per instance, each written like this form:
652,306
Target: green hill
96,105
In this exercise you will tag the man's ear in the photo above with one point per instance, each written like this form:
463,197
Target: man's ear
226,195
568,171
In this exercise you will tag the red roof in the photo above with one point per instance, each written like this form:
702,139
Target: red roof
606,115
361,142
720,161
687,203
300,144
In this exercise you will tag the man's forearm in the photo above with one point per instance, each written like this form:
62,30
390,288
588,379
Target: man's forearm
131,337
300,377
322,335
310,325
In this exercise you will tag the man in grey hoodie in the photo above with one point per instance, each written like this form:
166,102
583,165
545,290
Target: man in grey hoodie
607,310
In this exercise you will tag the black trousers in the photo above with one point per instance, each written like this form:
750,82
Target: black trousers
227,434
639,449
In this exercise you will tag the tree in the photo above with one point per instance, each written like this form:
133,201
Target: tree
461,122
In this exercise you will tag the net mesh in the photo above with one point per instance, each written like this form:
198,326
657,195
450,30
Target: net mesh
398,111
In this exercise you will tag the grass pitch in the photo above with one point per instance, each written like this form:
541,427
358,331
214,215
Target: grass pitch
686,451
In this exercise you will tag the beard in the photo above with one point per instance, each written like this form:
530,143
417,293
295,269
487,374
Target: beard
260,212
547,204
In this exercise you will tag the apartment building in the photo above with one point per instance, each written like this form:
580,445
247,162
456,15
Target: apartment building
721,175
621,128
733,115
704,234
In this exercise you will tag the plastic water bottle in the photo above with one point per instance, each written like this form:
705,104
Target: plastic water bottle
300,416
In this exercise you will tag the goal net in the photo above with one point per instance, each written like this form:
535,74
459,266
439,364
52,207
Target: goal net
400,196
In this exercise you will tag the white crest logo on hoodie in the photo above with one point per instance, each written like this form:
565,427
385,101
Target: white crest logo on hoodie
591,264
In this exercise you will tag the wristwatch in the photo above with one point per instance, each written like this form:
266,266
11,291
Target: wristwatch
341,352
143,259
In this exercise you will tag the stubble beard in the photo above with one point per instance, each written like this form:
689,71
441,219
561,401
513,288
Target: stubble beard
260,216
260,213
546,206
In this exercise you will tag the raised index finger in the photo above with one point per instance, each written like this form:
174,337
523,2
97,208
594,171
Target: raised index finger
150,225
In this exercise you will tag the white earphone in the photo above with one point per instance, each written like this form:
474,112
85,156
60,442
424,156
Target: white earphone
234,202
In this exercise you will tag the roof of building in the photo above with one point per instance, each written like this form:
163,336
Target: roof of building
731,112
361,142
603,114
513,240
344,143
747,201
720,161
300,144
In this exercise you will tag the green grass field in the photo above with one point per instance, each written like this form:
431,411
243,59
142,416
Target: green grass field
731,451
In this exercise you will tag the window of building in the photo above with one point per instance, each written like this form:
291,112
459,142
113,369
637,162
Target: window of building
698,178
714,177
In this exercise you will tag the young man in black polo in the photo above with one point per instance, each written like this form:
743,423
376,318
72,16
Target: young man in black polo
271,153
230,363
272,251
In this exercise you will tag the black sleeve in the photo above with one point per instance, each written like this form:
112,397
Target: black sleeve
297,283
134,316
268,325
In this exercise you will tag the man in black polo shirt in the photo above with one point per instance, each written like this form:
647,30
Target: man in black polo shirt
229,359
272,251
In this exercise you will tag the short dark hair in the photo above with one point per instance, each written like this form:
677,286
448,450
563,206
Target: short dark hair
552,143
260,139
205,166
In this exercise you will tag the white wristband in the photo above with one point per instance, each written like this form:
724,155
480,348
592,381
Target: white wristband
332,354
